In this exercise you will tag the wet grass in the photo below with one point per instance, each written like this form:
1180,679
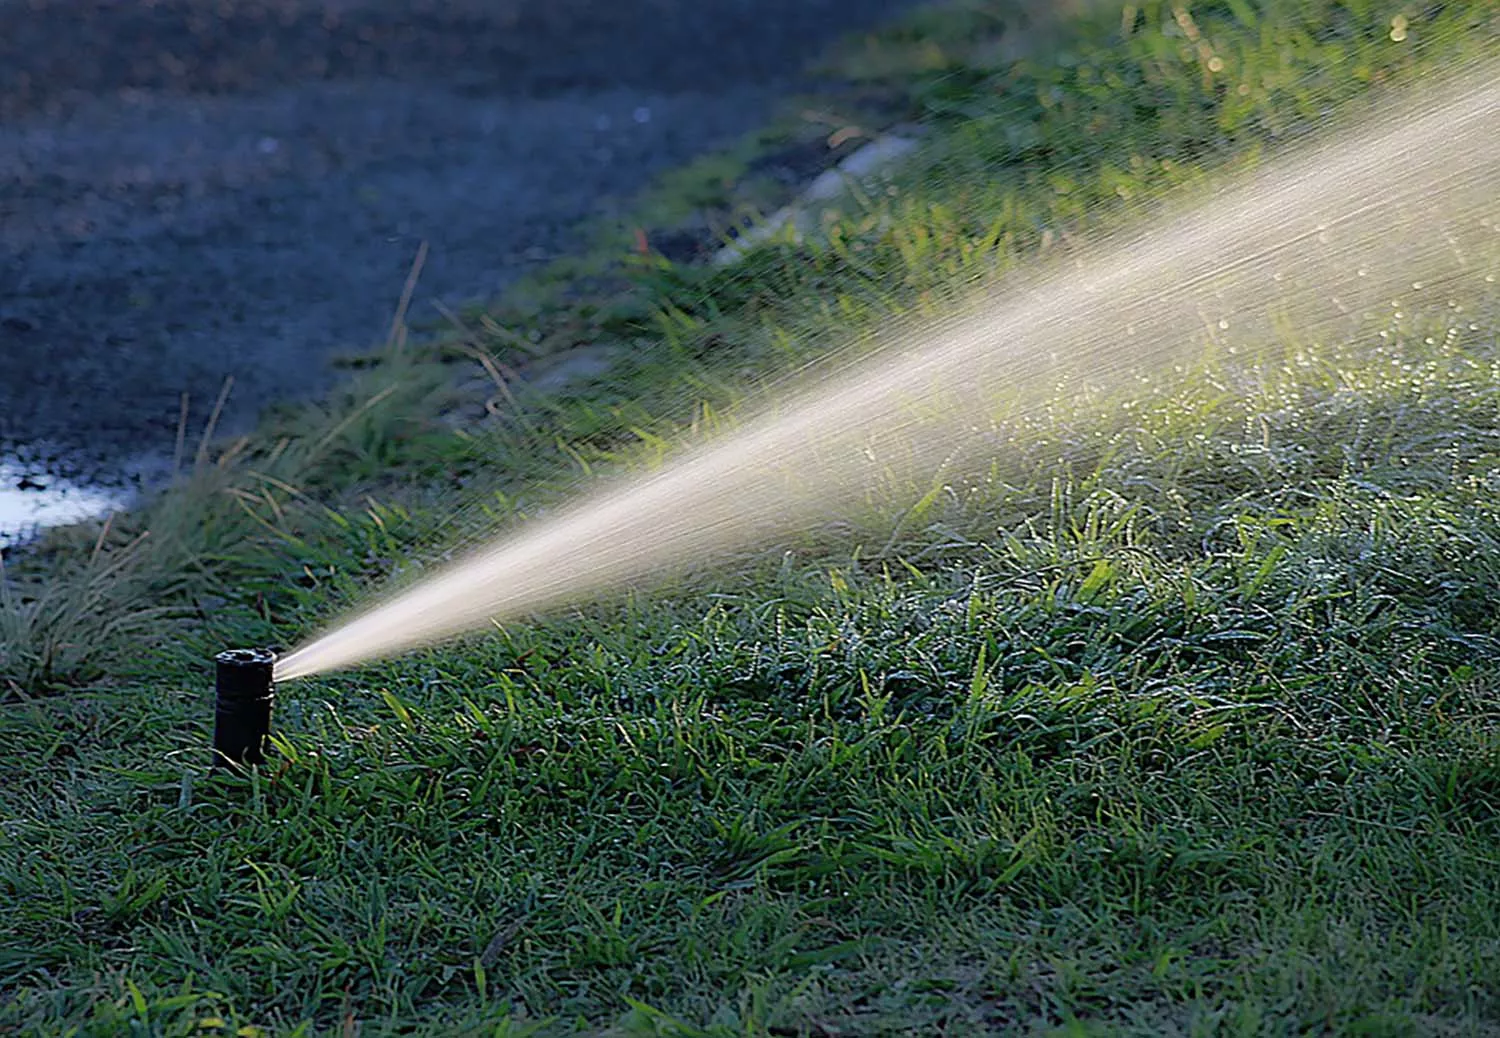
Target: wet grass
1176,716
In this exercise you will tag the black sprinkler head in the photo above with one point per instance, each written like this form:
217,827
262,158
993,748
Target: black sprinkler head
244,692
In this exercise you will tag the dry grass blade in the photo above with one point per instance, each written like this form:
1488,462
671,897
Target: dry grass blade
204,441
398,333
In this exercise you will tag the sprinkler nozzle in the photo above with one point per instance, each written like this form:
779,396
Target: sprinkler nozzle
244,691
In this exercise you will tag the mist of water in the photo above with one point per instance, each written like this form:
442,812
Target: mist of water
1402,205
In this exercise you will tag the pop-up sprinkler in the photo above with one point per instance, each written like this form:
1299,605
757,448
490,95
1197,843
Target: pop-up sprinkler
244,691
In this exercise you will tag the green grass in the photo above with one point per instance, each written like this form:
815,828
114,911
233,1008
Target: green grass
1175,716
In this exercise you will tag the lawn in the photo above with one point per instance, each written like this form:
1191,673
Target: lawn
1176,715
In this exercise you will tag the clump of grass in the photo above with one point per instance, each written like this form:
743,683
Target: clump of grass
48,632
1174,716
77,601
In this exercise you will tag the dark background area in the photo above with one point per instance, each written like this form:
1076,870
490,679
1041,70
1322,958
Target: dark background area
195,190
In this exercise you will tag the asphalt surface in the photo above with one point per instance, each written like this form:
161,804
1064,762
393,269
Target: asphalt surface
193,189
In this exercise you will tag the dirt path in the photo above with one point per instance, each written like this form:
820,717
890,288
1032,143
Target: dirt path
193,189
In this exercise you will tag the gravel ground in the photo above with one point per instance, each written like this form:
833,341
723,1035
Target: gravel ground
192,190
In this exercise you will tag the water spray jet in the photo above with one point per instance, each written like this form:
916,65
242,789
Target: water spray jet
1395,210
244,693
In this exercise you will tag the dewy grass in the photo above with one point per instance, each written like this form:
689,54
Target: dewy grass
1178,718
1192,728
